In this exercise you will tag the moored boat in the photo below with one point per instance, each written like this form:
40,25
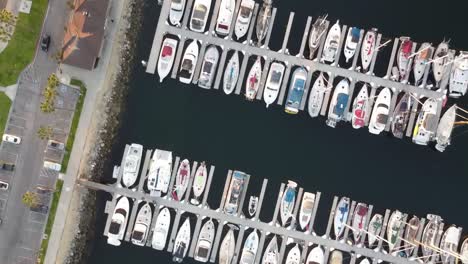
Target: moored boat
449,244
336,257
429,236
231,74
365,261
464,251
338,103
410,235
182,179
273,83
360,108
352,40
271,255
395,226
379,117
142,225
374,228
331,43
296,91
288,200
235,191
421,60
243,18
226,12
205,242
316,96
176,12
253,79
263,20
161,229
403,57
459,75
425,126
341,216
208,69
294,255
199,182
316,256
305,212
118,221
131,164
250,249
253,202
228,245
317,32
401,115
445,127
359,221
189,61
159,173
182,242
441,57
368,48
199,17
166,57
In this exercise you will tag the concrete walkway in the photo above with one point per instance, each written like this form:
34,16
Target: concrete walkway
10,91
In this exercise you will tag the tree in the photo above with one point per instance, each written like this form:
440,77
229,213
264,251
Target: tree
45,132
50,92
7,23
30,199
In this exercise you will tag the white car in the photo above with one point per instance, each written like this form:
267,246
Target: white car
3,185
52,165
11,139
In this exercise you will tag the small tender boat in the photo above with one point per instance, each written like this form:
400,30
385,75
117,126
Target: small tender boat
364,261
200,12
176,12
316,96
250,249
226,12
401,115
351,43
263,20
449,243
243,18
359,221
340,98
331,43
288,200
182,242
271,255
374,228
131,164
441,57
318,31
142,224
341,216
296,91
273,83
205,242
235,191
316,256
421,60
189,61
199,182
430,233
159,173
161,229
182,179
368,48
118,222
360,108
379,117
464,251
228,245
395,225
305,212
166,57
208,69
231,74
403,58
444,130
411,232
425,126
336,257
459,75
294,255
253,79
253,202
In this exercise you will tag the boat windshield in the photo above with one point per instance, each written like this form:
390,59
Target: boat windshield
199,12
245,12
137,235
203,252
187,64
276,77
207,66
382,118
114,228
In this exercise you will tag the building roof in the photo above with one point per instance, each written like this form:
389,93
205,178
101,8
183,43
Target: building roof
84,35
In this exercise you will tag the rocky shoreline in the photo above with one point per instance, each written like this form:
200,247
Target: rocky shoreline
105,127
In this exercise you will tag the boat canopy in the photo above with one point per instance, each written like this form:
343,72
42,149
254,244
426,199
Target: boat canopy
355,34
341,102
167,51
289,195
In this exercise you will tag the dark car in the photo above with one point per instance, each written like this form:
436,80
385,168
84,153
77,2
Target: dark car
7,166
45,42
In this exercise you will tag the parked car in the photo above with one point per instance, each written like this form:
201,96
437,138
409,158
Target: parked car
45,42
11,138
56,145
7,166
3,185
52,165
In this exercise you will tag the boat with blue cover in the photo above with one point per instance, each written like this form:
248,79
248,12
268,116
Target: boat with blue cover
338,103
296,91
287,202
341,216
352,40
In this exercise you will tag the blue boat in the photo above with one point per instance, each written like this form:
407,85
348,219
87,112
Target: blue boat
296,91
287,202
338,103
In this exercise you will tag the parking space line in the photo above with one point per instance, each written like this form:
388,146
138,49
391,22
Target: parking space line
13,125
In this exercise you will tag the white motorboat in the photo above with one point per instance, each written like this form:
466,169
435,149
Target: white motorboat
200,12
131,164
394,229
449,243
305,212
359,221
296,91
425,126
430,234
316,256
243,18
228,245
338,104
142,225
273,83
208,69
161,229
182,242
253,203
166,57
231,74
271,255
176,12
250,249
352,41
368,48
189,61
336,257
365,261
159,173
401,115
318,31
253,80
459,75
182,179
226,12
403,58
331,43
236,189
379,117
441,57
444,130
374,228
294,255
360,109
316,96
263,20
199,182
421,61
205,242
118,222
341,216
464,251
288,200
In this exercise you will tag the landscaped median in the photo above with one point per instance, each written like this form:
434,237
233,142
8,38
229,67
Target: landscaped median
22,45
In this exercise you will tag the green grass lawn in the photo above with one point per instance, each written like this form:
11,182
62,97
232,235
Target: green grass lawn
21,48
74,125
50,220
5,104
